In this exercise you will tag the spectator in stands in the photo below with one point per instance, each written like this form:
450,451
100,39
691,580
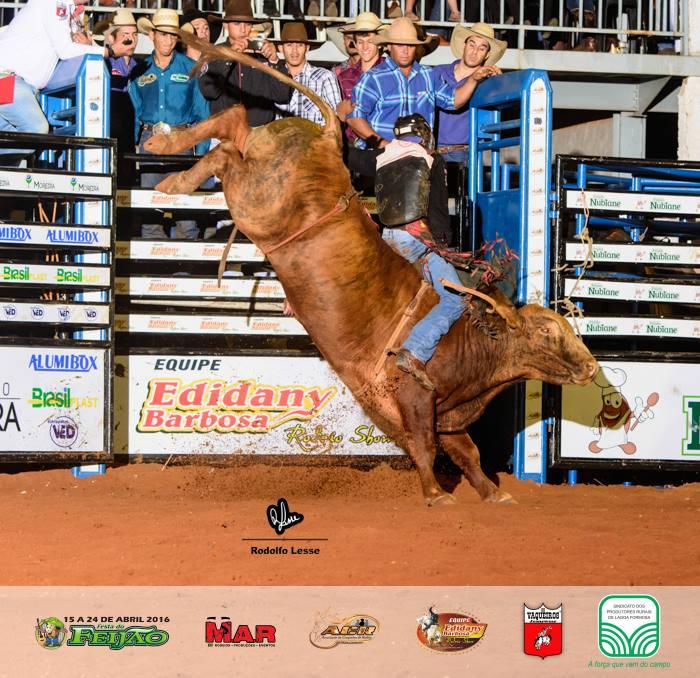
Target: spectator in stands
165,99
345,42
451,11
401,86
203,29
294,43
43,32
364,28
224,83
477,52
121,38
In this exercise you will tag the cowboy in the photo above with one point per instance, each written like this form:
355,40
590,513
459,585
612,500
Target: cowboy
43,32
121,37
165,98
203,29
364,28
295,44
401,86
477,52
377,109
225,84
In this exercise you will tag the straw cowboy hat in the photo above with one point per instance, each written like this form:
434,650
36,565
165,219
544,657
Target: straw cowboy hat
402,31
479,30
365,22
295,31
236,10
119,19
165,21
214,30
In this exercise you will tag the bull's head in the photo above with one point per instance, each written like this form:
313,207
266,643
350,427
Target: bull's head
544,345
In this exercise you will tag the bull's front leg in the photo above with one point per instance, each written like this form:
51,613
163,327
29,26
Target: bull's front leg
228,125
214,163
465,454
417,407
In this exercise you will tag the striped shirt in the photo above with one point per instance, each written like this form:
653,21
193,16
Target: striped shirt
384,94
321,81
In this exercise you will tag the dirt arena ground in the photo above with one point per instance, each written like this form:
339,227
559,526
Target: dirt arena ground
145,525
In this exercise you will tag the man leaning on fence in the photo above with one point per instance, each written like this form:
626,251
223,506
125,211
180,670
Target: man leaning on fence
477,52
295,43
165,98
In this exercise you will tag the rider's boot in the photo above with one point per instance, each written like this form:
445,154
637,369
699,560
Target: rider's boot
407,362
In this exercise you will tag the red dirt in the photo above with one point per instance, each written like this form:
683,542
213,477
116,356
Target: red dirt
140,525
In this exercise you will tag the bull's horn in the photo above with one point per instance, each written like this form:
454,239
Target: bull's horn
209,52
508,313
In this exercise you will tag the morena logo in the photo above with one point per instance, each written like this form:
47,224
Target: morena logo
63,431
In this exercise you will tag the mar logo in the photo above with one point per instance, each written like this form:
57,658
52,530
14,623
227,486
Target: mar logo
542,631
449,631
50,633
220,632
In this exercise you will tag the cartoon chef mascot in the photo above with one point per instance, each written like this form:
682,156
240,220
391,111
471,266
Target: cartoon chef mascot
615,420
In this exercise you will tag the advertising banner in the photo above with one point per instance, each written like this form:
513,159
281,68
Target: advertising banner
53,400
55,235
635,253
186,251
633,202
63,183
246,288
638,326
216,405
633,411
64,274
209,324
612,290
55,313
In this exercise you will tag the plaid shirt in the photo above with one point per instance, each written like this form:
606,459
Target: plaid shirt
384,94
321,81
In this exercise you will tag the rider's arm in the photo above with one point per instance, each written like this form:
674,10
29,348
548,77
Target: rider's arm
365,131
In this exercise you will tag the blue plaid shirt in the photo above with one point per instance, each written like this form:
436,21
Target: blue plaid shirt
384,93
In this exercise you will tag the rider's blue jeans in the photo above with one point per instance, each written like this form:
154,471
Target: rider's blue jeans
428,331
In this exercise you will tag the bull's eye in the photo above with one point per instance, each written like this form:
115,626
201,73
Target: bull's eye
546,329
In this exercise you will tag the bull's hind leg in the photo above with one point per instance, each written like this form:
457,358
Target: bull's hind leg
417,408
229,125
187,181
465,454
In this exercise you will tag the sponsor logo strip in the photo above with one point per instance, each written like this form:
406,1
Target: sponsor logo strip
632,291
40,274
145,198
187,251
259,288
217,324
633,202
68,314
54,235
635,253
51,182
641,327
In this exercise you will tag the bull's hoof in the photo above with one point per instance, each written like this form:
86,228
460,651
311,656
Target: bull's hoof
171,185
160,144
500,498
441,500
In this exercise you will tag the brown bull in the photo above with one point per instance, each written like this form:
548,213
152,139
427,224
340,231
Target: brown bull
290,193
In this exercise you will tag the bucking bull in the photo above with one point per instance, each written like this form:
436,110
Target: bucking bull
290,193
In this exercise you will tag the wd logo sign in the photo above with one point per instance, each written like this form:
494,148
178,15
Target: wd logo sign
37,312
90,313
63,313
63,431
9,311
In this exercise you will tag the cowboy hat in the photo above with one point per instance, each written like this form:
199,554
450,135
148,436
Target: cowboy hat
164,21
295,31
431,44
479,30
192,14
402,31
119,19
365,22
236,10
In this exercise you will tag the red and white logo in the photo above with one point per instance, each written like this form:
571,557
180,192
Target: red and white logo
543,631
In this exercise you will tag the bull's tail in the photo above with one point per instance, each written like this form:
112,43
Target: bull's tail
209,52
